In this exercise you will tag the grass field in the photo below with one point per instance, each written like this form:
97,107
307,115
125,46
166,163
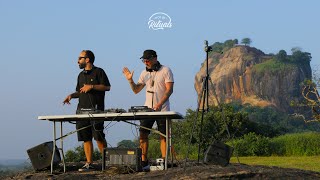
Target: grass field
301,162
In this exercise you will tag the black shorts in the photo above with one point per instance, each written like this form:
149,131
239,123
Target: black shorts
95,131
149,123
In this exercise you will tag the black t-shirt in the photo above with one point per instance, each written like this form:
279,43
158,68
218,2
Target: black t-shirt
92,99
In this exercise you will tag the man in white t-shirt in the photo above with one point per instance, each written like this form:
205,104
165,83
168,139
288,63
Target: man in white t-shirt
158,80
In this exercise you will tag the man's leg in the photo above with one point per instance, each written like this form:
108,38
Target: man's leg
99,135
101,145
144,142
163,146
88,149
85,135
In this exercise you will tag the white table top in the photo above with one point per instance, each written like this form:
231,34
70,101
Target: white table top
114,116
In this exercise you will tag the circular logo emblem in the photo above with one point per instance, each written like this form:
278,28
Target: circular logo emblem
159,20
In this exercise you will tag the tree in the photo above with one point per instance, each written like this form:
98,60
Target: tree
235,41
127,144
230,43
282,55
295,49
301,57
246,41
311,97
217,47
78,155
216,124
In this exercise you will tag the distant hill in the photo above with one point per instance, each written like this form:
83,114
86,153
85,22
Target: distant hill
12,162
247,75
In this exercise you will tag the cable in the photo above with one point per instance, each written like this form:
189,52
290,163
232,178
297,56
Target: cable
68,134
91,116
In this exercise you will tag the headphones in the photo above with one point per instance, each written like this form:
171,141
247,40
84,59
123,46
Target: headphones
155,67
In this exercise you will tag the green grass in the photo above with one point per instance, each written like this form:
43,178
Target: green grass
273,66
300,162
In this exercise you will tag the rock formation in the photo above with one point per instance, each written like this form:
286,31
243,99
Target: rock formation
243,74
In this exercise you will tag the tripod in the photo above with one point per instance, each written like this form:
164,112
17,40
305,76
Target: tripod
204,98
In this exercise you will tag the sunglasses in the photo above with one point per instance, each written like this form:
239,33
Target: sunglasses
145,60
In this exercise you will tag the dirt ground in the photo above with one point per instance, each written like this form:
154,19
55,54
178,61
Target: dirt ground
191,171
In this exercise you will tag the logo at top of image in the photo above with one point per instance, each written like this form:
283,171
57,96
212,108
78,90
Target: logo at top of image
159,20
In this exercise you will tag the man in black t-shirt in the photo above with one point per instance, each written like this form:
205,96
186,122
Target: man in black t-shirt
91,86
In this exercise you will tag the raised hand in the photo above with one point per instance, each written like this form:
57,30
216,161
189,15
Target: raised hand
126,72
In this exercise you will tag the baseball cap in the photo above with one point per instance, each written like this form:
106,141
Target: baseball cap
149,53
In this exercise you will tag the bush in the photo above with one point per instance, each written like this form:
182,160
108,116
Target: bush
179,148
252,145
299,144
154,148
77,155
214,127
180,151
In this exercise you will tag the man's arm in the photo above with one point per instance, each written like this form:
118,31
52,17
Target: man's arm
75,95
165,97
99,87
69,97
136,88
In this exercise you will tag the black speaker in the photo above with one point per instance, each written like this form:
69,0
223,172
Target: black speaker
218,153
130,157
41,156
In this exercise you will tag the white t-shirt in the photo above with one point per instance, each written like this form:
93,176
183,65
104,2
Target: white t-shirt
155,86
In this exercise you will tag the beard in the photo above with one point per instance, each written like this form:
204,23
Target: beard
82,65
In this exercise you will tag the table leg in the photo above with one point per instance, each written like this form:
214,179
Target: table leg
170,142
61,145
167,144
54,145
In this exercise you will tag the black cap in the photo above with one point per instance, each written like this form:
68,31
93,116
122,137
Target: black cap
148,54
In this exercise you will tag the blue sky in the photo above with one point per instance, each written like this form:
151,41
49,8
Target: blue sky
41,40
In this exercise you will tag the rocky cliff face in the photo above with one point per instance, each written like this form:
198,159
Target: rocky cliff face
242,74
